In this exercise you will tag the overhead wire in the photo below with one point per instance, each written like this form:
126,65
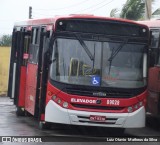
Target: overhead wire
67,7
94,8
91,8
39,13
35,13
103,5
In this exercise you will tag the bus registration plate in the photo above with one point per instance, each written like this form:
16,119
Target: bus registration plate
97,118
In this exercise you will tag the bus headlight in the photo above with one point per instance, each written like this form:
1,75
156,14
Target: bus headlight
140,104
65,105
59,101
136,107
54,97
130,109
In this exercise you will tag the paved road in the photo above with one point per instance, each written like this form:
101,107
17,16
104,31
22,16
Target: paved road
11,125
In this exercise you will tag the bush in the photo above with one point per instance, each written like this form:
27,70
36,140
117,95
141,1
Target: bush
6,40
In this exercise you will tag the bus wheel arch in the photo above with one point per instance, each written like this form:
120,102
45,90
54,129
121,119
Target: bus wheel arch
20,111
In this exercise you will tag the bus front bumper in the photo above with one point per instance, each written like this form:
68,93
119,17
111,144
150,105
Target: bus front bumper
56,114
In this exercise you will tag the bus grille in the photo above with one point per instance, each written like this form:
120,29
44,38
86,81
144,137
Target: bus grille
103,93
96,107
99,92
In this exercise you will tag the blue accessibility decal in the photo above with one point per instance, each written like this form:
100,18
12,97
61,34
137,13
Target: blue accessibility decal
96,80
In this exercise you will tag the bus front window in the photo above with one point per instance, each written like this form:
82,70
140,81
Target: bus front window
126,69
73,64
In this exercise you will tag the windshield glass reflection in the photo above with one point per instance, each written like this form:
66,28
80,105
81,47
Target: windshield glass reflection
73,65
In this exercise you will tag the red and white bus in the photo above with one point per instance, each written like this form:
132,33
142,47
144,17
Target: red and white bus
80,70
153,98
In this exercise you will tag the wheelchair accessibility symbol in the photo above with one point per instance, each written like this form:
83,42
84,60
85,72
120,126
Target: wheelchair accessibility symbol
96,80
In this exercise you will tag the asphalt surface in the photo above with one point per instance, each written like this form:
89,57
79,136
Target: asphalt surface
11,125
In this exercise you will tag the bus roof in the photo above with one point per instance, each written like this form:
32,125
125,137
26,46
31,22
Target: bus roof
46,21
151,23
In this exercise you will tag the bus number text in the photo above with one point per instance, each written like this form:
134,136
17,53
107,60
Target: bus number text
113,102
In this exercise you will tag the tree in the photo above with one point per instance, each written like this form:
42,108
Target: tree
132,9
6,40
113,12
156,13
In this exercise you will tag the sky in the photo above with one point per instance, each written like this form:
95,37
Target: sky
17,10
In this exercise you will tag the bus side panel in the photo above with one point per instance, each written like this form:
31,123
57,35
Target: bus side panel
154,79
31,80
152,100
21,100
153,90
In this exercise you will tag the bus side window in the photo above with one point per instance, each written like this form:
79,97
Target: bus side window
34,46
155,38
35,36
27,40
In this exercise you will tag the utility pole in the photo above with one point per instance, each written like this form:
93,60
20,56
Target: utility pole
30,12
148,9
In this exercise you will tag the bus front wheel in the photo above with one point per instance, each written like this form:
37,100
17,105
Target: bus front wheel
20,111
44,125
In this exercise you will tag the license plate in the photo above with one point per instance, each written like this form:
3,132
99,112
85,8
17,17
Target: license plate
97,118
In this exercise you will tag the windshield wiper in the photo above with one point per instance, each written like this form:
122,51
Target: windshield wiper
84,46
115,52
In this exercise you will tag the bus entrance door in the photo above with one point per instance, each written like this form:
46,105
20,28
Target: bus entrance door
33,77
17,74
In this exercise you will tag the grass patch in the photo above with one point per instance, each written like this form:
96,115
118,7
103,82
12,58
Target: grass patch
4,69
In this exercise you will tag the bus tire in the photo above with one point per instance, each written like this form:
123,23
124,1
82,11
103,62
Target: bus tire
44,125
20,111
27,114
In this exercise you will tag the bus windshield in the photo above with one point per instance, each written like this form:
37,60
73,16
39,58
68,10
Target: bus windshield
73,65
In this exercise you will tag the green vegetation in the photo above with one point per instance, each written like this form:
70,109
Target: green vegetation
4,68
133,10
6,40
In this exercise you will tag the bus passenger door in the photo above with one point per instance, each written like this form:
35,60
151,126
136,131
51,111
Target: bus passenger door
153,99
45,39
154,53
33,78
23,69
16,84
